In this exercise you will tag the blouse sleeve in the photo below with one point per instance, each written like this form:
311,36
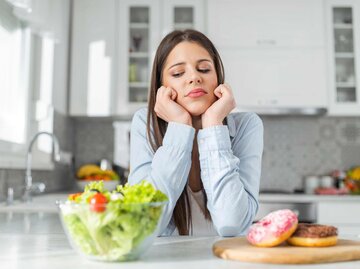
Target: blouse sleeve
168,168
230,172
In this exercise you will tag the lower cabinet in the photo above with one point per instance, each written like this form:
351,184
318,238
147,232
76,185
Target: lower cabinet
345,215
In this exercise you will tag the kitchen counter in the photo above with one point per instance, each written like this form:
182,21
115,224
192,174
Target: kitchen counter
36,240
46,202
307,198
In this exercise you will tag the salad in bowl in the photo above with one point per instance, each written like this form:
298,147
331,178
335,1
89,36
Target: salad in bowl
113,226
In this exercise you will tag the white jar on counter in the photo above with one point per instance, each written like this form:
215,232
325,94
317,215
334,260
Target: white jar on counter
311,183
327,182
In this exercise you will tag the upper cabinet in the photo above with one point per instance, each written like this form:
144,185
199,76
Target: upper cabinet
113,46
92,77
141,26
139,33
343,33
264,23
273,51
183,14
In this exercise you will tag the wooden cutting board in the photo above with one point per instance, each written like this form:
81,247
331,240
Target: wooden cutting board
239,249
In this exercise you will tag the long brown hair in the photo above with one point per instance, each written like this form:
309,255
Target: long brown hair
182,211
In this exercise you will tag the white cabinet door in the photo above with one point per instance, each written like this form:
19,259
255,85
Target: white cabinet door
139,34
343,214
269,78
264,23
146,22
273,51
92,58
343,35
183,14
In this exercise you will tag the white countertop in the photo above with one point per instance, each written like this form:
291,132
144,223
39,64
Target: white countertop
31,236
46,202
304,198
37,241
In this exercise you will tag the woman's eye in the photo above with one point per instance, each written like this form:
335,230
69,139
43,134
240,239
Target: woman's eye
176,75
204,70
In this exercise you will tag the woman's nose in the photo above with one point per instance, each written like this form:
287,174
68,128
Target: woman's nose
194,78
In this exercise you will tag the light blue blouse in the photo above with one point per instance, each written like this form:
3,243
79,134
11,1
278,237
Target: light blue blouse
230,162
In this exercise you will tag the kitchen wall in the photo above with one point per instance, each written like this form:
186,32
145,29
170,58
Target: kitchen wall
294,146
299,146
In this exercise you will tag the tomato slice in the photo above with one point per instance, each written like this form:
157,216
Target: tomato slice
98,202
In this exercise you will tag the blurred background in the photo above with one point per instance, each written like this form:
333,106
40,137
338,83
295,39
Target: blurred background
81,68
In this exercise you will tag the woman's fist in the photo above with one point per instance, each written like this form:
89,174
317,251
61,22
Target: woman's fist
217,112
167,109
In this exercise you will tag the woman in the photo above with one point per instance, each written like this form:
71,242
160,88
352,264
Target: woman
188,145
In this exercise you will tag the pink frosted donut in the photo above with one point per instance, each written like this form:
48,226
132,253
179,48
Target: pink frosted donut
273,229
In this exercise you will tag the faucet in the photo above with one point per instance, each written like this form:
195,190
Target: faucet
40,187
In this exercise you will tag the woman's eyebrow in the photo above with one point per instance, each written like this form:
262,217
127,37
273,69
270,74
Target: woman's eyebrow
204,60
181,63
176,65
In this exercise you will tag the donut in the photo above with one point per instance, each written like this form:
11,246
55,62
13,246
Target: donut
273,229
313,235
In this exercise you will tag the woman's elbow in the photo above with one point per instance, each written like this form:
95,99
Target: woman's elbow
235,226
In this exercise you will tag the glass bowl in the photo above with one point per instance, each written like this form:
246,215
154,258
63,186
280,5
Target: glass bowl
118,232
108,184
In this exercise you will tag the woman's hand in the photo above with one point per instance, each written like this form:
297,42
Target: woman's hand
167,109
217,112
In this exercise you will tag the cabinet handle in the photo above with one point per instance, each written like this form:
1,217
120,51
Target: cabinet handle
266,42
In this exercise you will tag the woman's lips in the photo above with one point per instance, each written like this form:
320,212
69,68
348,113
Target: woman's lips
196,93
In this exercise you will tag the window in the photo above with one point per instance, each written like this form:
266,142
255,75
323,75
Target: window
14,82
26,82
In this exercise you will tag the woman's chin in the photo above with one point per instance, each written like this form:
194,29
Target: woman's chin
196,111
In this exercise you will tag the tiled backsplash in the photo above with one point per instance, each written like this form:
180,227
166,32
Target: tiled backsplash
300,146
295,146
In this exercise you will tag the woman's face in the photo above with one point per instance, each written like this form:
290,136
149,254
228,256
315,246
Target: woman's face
190,71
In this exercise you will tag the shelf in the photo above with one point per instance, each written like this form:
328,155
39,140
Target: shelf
343,26
139,25
139,55
138,84
344,55
345,85
184,25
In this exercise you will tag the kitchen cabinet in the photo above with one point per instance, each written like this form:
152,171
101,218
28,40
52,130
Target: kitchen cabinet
276,79
92,75
343,34
183,14
113,46
139,33
263,23
274,58
341,214
141,26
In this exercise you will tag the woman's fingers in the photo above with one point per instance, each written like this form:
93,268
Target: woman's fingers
167,108
173,94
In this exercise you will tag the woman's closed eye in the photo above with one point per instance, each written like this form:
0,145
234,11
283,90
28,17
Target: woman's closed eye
204,70
176,75
201,70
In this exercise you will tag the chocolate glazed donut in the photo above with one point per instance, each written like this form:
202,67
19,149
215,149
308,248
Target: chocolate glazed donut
314,235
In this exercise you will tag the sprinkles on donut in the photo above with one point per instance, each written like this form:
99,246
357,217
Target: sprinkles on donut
273,229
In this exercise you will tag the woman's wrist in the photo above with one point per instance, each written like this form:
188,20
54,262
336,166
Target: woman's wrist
185,120
211,122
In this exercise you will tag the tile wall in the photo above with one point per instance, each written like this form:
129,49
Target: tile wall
294,146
